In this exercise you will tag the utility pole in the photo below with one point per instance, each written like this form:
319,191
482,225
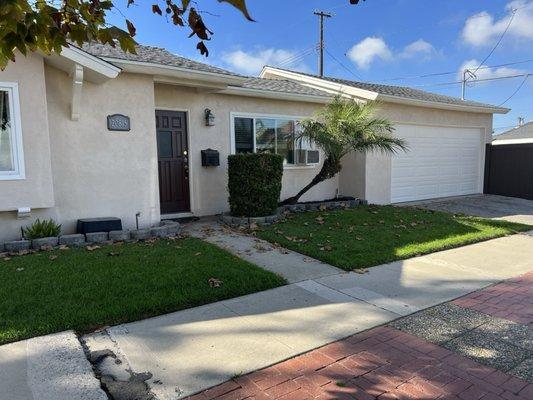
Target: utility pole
466,75
321,15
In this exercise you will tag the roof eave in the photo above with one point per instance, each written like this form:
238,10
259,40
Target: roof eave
97,69
498,141
148,68
323,84
318,83
269,94
443,106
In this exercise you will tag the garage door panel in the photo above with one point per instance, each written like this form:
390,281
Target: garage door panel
440,162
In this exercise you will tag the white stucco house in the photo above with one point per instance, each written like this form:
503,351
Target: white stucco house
521,134
95,132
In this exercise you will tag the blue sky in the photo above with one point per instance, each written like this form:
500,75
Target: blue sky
376,41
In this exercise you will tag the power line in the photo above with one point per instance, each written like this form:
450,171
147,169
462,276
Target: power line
499,40
452,72
298,56
342,65
476,81
516,91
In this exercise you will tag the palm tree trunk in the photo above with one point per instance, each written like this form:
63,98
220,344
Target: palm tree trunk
329,169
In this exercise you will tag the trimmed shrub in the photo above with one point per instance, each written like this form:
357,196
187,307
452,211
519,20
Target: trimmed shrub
254,184
41,229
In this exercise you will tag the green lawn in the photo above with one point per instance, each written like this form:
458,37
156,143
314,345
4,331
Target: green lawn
84,290
371,235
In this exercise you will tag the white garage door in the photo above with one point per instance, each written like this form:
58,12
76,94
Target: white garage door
440,162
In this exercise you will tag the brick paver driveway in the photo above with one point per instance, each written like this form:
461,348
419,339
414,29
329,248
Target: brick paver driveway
476,347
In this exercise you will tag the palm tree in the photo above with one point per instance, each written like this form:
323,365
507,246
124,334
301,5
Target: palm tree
343,126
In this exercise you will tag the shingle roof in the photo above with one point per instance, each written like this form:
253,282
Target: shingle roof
522,132
283,86
399,91
154,55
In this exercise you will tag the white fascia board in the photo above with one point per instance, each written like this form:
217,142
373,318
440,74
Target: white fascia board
443,106
147,68
512,141
321,84
268,94
89,61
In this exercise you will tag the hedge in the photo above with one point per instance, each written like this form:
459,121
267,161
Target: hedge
254,184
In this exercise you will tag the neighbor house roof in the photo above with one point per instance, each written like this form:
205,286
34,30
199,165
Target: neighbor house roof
520,132
152,55
384,92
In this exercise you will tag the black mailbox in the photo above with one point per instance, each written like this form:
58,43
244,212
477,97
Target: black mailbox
210,158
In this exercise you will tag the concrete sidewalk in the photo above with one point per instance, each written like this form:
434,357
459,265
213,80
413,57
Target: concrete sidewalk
52,367
194,349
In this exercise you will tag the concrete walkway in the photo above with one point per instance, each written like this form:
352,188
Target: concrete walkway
194,349
293,266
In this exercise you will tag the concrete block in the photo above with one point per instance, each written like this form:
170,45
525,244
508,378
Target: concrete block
173,227
226,219
37,244
271,218
76,239
17,245
97,237
256,220
159,231
119,235
141,234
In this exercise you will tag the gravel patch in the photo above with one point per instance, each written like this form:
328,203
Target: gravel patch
427,327
487,349
524,370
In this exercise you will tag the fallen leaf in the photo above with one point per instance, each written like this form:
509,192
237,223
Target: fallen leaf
113,254
92,248
20,269
52,257
360,270
64,247
319,220
198,254
46,247
214,282
7,258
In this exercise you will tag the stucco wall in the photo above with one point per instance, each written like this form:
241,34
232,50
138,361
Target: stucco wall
209,185
378,166
101,173
36,191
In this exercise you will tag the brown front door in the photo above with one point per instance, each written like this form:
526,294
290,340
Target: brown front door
173,161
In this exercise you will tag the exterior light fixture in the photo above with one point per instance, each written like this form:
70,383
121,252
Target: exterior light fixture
209,117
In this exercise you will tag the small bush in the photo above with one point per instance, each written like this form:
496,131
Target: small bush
41,229
254,184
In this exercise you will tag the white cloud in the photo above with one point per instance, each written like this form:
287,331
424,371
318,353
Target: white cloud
252,62
486,73
418,48
482,29
368,50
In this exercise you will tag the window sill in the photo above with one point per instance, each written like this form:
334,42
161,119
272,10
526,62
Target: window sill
297,167
8,177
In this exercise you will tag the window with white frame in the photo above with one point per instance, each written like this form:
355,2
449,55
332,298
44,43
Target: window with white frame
271,135
11,157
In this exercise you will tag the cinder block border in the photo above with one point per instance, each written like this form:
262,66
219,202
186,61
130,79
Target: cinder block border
246,222
163,230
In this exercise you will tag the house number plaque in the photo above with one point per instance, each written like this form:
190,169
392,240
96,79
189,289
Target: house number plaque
118,122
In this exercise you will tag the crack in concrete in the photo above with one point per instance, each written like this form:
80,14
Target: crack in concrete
116,377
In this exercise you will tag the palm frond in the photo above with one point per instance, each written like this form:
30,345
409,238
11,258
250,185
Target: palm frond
347,125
